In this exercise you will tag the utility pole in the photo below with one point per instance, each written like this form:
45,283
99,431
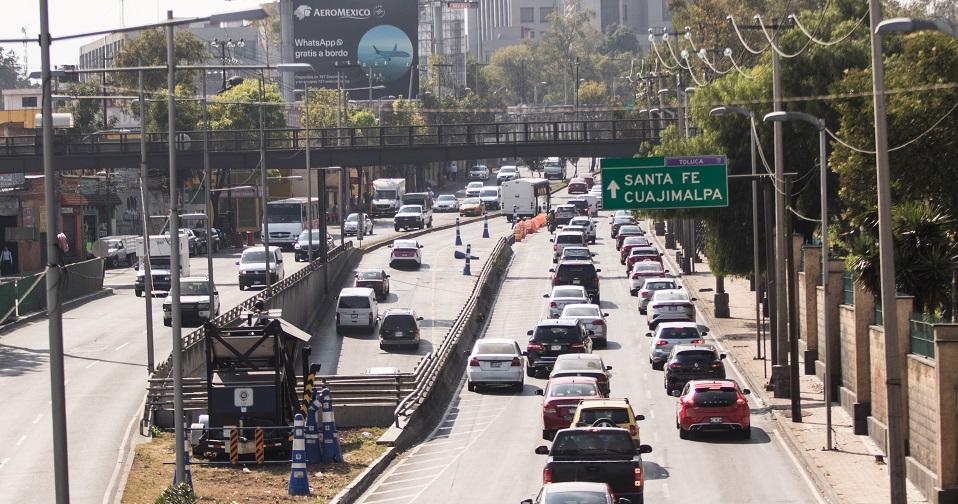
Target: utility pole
54,270
147,272
207,176
264,189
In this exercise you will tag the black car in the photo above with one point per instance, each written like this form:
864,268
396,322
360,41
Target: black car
578,272
375,279
619,222
552,338
399,327
692,362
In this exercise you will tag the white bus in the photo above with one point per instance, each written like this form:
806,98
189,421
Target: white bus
525,197
288,218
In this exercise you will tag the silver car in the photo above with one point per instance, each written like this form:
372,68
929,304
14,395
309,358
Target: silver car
588,224
650,286
669,334
576,254
669,305
565,295
495,361
565,239
352,225
592,318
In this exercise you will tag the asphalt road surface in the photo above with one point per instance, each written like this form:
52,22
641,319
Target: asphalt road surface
482,451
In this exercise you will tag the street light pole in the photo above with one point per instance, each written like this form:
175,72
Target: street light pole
264,189
208,176
147,269
309,177
53,283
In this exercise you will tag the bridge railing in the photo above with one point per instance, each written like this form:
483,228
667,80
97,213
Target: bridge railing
467,134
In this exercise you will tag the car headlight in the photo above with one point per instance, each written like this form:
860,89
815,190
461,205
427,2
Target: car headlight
167,307
166,278
242,272
297,246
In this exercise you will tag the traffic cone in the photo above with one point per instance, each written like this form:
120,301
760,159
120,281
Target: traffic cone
458,236
313,448
331,451
467,270
485,225
298,484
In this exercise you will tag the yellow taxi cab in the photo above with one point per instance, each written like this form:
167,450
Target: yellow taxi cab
607,413
472,207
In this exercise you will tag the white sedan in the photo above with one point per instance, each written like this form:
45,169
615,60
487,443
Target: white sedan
592,318
405,252
495,361
565,295
473,189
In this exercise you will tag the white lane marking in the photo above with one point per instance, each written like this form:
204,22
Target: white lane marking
808,480
418,470
4,462
648,394
21,440
385,500
417,478
94,363
37,419
651,413
121,346
118,468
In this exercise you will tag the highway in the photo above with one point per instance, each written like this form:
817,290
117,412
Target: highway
105,368
482,451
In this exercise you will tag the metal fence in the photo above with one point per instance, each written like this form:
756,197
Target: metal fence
848,288
921,334
877,316
26,295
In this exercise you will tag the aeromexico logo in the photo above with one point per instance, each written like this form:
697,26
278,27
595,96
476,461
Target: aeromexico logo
304,11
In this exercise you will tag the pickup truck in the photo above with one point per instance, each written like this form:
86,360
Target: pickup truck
600,454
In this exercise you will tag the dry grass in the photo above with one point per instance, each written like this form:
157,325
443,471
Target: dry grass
151,474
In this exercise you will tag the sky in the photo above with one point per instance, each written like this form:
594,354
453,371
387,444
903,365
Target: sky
80,16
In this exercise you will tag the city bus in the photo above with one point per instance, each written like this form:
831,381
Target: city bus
288,218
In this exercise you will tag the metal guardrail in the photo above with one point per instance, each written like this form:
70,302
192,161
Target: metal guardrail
848,288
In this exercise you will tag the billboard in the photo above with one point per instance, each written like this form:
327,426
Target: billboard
347,41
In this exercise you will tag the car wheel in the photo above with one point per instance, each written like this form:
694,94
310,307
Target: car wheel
167,323
242,287
114,262
530,372
643,311
657,366
684,434
471,386
396,228
138,292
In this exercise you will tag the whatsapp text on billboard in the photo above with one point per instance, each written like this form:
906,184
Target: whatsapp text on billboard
380,36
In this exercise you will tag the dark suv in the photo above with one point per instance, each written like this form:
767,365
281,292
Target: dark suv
692,362
552,338
578,272
399,327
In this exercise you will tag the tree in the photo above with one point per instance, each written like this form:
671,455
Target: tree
10,69
236,109
149,49
186,108
514,70
87,113
592,93
619,39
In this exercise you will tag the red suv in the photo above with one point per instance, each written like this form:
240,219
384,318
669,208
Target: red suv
628,243
624,232
578,186
560,398
712,406
642,254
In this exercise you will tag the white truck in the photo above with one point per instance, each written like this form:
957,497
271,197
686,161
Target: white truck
160,262
525,197
115,250
387,196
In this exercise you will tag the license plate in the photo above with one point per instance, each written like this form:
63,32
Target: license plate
715,419
353,315
556,347
398,334
672,308
576,281
495,364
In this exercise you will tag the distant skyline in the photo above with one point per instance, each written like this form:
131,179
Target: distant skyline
79,16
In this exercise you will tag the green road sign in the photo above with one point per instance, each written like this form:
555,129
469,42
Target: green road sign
664,182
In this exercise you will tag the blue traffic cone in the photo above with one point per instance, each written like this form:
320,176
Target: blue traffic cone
313,448
187,474
298,484
331,451
468,249
466,270
458,236
485,225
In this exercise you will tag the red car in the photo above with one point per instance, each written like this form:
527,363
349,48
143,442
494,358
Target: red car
642,254
589,180
712,406
628,243
578,185
560,398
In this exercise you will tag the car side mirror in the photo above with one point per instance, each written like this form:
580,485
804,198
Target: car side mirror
605,314
675,393
598,270
608,368
552,270
542,450
237,263
722,356
746,391
623,500
665,271
529,333
387,276
545,295
136,267
693,299
538,392
390,245
643,449
648,334
216,293
661,254
418,318
523,353
639,418
420,246
551,239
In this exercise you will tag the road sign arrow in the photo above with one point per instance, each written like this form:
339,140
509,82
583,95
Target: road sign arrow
613,189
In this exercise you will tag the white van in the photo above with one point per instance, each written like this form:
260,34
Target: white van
252,266
357,307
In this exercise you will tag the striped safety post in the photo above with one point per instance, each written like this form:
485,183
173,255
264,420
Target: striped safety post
314,450
234,445
331,451
260,446
485,225
298,484
187,473
458,236
467,269
308,390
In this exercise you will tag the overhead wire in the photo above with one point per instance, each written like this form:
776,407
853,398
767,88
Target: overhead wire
741,39
771,42
811,36
897,147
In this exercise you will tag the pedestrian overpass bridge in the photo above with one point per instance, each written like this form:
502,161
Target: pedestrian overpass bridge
360,146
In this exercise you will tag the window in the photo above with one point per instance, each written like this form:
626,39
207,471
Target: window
532,34
527,15
544,13
28,102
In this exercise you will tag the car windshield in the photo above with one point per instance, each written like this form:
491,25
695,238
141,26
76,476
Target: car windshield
200,233
369,275
556,334
474,185
353,302
405,244
471,201
567,272
580,311
576,252
630,230
352,217
490,192
478,168
114,244
386,194
715,397
623,220
668,333
255,256
645,267
507,169
693,356
659,285
586,442
446,197
398,323
495,348
573,390
194,288
410,209
568,292
569,238
285,213
578,365
304,236
618,415
578,221
643,251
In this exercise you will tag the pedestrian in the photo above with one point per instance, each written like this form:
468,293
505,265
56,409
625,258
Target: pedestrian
454,170
6,262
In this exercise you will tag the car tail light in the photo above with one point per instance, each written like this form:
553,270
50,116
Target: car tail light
534,347
546,476
473,361
698,341
577,346
370,317
516,362
716,365
674,365
633,430
552,304
661,343
549,409
555,281
598,323
645,294
638,476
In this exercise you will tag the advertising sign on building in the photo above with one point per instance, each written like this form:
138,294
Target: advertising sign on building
376,38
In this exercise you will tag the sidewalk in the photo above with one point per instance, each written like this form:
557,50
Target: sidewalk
848,474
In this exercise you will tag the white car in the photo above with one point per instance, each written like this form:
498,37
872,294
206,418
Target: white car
194,302
651,285
592,318
576,254
565,295
405,252
490,197
588,224
357,307
506,172
569,228
473,189
479,172
565,239
670,334
252,266
670,305
642,271
495,361
446,203
352,225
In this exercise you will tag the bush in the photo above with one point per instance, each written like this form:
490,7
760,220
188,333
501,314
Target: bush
177,494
